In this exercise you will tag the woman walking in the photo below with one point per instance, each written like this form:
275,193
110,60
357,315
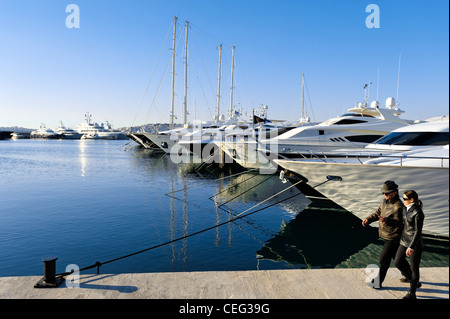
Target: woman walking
411,243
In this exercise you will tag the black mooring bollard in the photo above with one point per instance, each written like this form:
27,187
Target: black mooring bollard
49,269
49,280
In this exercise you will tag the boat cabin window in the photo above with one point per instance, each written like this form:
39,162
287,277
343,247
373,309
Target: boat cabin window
349,121
415,138
363,138
321,132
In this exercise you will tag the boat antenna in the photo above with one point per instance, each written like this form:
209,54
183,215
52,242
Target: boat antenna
304,118
398,79
303,95
365,95
378,80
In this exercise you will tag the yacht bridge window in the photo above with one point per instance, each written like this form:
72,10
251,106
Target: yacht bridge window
363,138
356,114
349,121
415,138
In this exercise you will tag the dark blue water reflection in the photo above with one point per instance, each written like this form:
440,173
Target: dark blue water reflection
88,200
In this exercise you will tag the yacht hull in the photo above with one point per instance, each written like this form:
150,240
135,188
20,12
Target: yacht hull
104,136
357,187
249,155
164,141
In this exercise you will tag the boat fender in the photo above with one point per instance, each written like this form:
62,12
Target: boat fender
283,180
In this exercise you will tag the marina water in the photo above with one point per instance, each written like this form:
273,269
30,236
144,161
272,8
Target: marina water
96,200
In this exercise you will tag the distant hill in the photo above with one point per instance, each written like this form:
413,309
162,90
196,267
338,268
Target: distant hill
17,129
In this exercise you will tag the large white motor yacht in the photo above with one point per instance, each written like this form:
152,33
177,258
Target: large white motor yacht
67,133
357,128
44,132
92,130
415,157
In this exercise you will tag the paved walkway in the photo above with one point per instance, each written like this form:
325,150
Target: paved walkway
265,284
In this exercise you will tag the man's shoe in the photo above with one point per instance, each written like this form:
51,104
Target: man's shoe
410,296
404,279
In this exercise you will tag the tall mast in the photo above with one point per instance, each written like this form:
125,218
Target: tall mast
185,112
218,84
172,114
232,81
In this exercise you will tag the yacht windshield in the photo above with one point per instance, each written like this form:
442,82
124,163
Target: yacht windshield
349,121
356,114
415,138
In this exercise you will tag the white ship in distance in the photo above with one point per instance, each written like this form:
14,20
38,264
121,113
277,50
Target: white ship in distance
92,130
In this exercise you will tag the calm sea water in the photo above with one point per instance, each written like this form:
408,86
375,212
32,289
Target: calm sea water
91,200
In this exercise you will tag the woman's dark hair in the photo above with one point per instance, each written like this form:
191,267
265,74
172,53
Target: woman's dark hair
413,194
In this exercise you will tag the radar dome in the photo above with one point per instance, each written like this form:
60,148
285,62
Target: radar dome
375,104
390,102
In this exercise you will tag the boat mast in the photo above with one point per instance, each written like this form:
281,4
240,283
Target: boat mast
185,74
172,114
218,84
232,81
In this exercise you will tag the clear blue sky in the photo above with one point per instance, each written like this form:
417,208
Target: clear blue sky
50,73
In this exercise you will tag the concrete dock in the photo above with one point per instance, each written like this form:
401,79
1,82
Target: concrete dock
264,284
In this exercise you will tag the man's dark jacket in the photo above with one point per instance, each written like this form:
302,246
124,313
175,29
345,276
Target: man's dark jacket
392,210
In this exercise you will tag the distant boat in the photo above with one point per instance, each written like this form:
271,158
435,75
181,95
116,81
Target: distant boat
91,130
44,132
67,133
16,136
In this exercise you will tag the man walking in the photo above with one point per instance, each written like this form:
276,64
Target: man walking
389,215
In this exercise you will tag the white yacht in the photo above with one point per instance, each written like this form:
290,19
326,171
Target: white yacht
44,132
200,141
207,143
244,147
67,133
166,140
357,128
17,136
415,157
91,130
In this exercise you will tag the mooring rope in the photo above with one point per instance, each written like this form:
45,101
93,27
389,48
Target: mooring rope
247,190
214,180
243,214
